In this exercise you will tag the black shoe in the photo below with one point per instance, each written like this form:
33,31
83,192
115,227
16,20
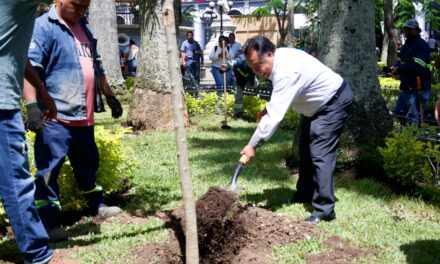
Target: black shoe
314,219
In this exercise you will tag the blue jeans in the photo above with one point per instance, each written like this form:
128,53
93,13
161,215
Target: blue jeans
132,67
51,148
192,67
17,190
218,77
408,106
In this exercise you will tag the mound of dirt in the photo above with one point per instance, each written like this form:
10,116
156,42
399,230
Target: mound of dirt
228,232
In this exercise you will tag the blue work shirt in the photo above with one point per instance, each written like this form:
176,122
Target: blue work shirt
16,28
188,48
54,52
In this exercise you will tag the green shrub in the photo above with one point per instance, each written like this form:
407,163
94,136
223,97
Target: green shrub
129,83
251,106
114,168
389,83
290,120
208,103
404,157
380,65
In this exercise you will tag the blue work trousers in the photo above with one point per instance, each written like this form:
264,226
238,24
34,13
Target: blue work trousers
192,67
17,190
408,106
51,148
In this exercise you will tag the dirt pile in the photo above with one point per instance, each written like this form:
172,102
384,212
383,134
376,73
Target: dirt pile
228,232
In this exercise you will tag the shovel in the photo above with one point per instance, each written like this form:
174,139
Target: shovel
233,184
225,94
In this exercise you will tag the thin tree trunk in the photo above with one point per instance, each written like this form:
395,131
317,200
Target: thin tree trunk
391,31
191,248
347,45
385,43
290,24
102,19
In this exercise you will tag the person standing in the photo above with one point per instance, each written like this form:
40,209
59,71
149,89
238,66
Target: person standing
235,49
64,51
16,184
243,77
415,77
191,55
324,100
217,60
132,58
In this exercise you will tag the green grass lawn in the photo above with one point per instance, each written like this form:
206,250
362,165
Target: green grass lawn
397,229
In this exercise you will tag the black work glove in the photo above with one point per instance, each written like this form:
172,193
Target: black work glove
114,105
34,119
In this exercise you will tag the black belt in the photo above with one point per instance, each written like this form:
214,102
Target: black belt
338,93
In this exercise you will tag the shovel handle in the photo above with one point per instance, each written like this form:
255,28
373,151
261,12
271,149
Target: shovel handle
244,159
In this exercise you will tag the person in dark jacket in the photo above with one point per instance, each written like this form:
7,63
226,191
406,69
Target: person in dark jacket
415,77
243,76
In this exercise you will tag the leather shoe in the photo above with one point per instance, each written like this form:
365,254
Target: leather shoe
315,219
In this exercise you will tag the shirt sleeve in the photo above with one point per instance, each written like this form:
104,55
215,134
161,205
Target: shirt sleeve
285,90
182,48
38,48
212,55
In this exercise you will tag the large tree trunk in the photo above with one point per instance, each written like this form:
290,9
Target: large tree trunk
390,31
102,19
347,45
191,245
151,105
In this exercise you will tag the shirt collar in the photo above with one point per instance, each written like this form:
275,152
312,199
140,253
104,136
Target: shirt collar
274,65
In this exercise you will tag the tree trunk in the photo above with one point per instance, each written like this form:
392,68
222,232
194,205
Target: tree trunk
151,105
102,19
347,45
390,31
290,24
385,43
191,245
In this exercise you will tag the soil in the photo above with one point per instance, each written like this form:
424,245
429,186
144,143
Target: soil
228,233
338,252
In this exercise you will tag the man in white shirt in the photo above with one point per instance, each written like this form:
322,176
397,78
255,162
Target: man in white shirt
235,46
323,99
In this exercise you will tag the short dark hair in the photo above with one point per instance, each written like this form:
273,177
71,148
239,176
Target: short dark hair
231,34
188,32
132,42
260,44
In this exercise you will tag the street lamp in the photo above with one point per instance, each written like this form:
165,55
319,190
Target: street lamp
208,16
222,6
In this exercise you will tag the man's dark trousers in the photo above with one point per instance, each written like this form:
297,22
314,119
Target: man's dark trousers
319,136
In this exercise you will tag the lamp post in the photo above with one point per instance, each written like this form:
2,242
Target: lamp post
208,16
222,6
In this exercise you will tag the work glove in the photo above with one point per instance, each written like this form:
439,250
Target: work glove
114,105
34,119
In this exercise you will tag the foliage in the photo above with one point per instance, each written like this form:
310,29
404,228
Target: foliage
405,10
290,120
279,9
404,157
129,83
389,83
252,105
208,103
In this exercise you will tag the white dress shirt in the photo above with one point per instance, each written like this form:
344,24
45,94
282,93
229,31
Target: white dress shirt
300,81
